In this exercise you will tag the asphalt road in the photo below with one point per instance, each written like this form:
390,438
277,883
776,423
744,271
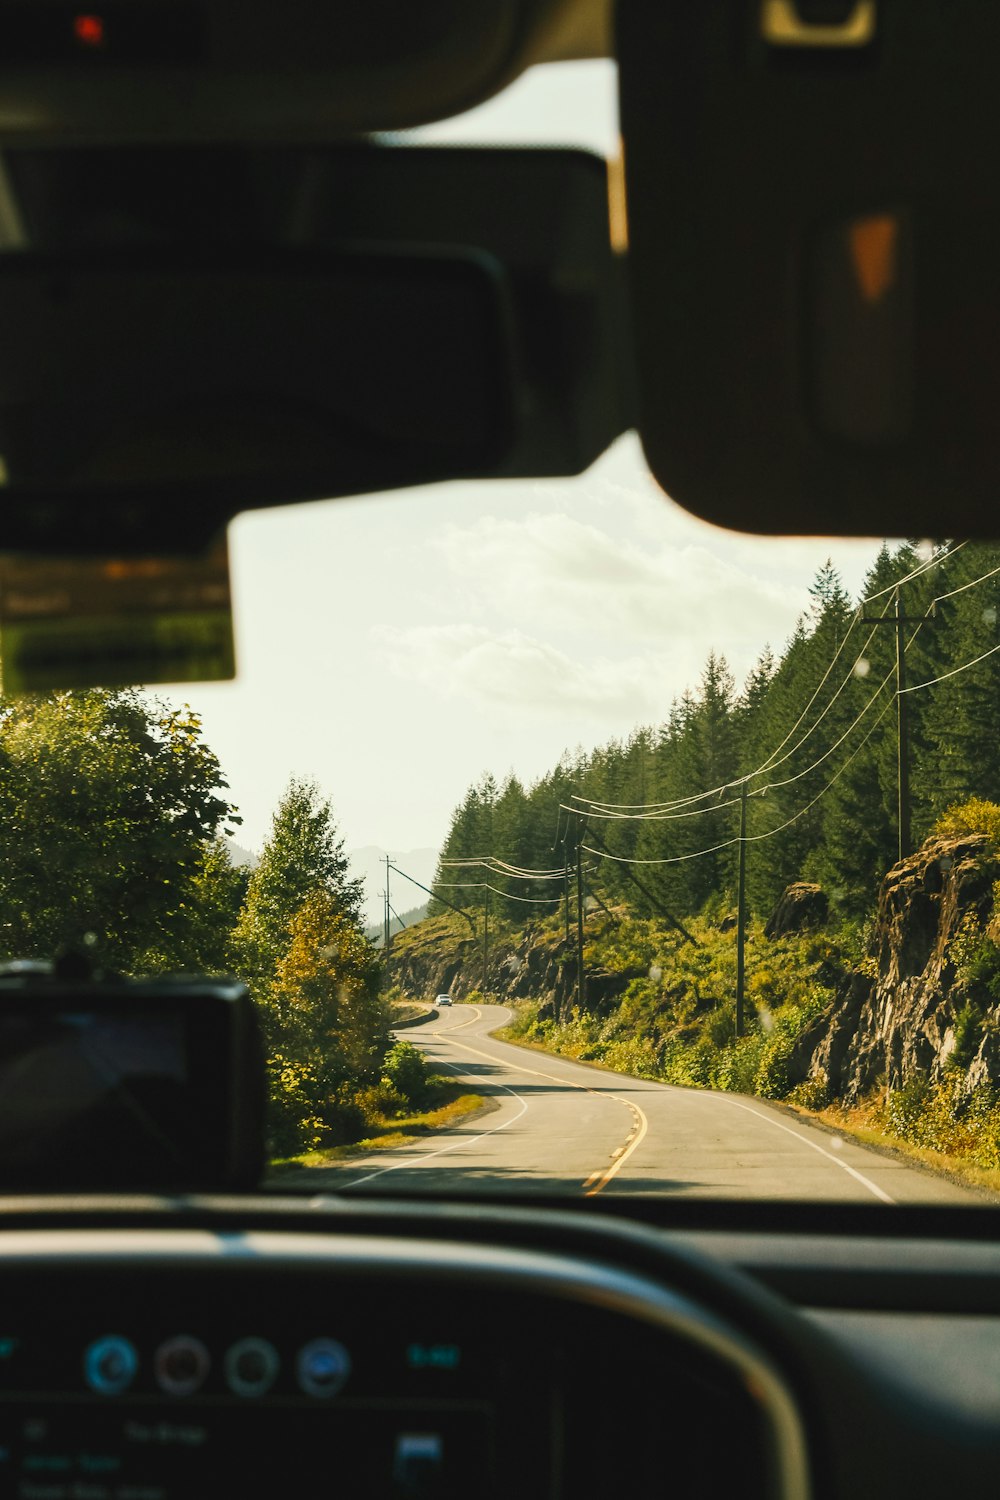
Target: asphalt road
561,1126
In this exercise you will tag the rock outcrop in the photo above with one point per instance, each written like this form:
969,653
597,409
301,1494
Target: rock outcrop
898,1023
537,967
802,905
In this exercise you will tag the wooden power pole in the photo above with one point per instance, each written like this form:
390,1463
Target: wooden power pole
741,913
903,812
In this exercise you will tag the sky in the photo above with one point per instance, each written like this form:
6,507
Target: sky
395,647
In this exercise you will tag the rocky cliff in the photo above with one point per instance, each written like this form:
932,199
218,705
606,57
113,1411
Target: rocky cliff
433,959
898,1021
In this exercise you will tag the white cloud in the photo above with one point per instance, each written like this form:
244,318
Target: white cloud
559,573
510,671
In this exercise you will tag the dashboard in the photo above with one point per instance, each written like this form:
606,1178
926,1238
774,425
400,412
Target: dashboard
158,1348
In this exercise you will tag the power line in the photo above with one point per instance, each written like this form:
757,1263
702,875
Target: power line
549,873
754,838
940,598
652,814
770,762
932,562
771,785
954,671
484,885
645,817
496,867
799,775
505,873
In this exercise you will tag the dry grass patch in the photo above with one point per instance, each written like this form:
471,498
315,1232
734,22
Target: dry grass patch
863,1123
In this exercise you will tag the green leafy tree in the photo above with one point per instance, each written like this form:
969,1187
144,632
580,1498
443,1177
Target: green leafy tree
109,803
212,904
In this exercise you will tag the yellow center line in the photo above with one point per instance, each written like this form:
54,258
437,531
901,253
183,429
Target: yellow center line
640,1124
621,1156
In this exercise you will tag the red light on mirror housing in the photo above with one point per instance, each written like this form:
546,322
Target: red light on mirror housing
89,31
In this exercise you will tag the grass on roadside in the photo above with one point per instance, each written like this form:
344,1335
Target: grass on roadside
865,1123
444,1104
401,1011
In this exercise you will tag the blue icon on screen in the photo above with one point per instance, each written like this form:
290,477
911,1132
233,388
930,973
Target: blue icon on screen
322,1367
110,1365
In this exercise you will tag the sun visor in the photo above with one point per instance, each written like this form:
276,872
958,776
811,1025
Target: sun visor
814,241
189,334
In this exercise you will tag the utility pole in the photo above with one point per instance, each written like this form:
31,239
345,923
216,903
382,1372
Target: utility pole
581,980
559,1002
388,915
486,935
741,912
903,736
899,620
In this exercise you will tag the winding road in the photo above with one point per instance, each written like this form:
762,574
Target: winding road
562,1126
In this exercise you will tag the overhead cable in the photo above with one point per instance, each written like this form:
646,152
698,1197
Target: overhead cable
932,562
752,838
940,598
484,885
954,671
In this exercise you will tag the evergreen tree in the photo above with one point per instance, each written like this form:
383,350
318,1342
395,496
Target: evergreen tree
959,756
303,854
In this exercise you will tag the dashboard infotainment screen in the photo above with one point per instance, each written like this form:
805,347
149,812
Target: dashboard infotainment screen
146,1396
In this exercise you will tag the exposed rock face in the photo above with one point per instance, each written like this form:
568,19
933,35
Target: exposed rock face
537,968
802,905
900,1024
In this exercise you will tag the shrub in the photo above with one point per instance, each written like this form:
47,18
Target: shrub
976,958
974,816
905,1108
814,1093
405,1070
968,1035
294,1120
381,1102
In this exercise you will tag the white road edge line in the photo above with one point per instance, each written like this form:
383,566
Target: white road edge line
858,1176
601,1179
416,1161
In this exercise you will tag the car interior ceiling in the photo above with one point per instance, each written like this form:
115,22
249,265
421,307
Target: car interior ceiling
190,219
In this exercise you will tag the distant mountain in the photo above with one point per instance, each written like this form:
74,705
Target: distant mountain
405,919
239,856
369,863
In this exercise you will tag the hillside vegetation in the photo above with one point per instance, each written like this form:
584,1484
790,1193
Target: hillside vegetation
811,737
889,1027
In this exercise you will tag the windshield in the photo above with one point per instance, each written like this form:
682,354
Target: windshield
564,842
